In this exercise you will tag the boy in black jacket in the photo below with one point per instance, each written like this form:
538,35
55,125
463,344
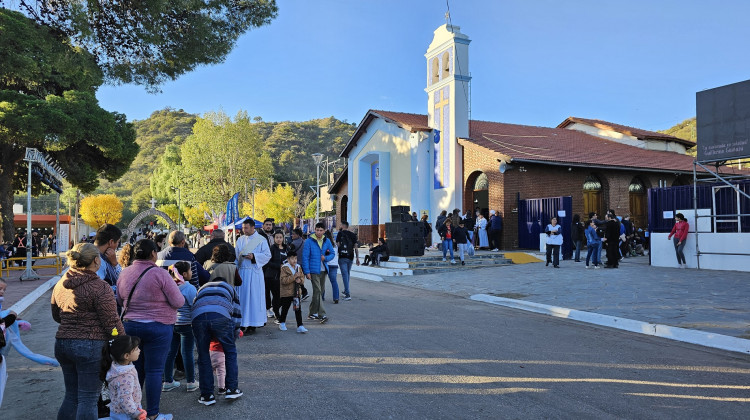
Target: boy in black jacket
460,236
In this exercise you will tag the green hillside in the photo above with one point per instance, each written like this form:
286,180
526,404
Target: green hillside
684,130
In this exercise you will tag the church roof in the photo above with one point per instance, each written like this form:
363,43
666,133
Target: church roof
630,131
547,145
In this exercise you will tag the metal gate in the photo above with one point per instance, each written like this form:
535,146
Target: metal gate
535,213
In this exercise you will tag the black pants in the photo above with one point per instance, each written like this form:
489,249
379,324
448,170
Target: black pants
496,235
554,259
272,294
375,258
613,253
286,302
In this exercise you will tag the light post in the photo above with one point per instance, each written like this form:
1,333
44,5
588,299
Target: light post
318,158
253,182
179,214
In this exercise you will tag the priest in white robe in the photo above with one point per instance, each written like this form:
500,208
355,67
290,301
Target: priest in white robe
252,254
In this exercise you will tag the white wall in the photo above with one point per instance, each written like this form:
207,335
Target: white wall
663,254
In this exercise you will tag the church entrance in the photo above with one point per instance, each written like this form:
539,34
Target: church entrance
376,206
592,196
477,193
638,205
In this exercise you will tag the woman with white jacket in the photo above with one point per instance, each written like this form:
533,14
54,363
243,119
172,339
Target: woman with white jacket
554,240
333,269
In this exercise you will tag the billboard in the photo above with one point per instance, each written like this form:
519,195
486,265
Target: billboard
723,122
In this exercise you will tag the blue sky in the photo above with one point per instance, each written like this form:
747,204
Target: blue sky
534,62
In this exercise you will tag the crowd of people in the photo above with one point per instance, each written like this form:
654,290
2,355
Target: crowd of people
40,246
134,321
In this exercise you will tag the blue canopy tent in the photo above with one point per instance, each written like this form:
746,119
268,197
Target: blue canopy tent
238,223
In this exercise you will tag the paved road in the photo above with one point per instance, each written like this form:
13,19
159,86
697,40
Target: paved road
707,300
401,352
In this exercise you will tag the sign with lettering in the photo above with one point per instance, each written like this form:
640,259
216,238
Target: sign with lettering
723,122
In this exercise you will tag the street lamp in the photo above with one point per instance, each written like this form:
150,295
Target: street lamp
253,182
318,158
179,218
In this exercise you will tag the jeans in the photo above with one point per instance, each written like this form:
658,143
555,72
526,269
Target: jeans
346,269
155,341
182,340
678,250
319,287
205,326
447,245
80,361
332,274
462,250
553,249
595,251
577,255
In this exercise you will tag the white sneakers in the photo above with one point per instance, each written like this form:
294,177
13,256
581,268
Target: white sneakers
269,313
453,261
301,329
282,326
444,260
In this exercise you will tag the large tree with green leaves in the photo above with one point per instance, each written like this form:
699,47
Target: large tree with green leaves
47,101
221,157
148,42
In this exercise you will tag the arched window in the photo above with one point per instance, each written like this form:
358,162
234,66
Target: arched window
435,71
592,196
446,67
482,183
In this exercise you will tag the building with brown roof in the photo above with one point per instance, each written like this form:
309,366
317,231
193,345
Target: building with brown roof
441,160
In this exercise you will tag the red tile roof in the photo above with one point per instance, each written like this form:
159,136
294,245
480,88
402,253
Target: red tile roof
630,131
561,146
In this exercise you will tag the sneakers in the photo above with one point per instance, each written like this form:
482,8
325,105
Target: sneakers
301,329
444,260
192,386
207,399
347,297
276,321
305,297
233,394
269,313
597,266
495,250
335,301
222,391
168,386
282,326
453,261
163,417
313,316
586,266
323,319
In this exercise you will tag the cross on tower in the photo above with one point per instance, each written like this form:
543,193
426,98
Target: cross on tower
153,203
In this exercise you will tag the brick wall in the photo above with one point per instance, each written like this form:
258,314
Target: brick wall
525,181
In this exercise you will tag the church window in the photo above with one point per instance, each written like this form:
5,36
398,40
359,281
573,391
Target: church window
446,67
435,71
482,183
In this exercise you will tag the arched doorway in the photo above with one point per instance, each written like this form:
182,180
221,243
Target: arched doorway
150,212
344,207
592,196
638,205
476,192
376,206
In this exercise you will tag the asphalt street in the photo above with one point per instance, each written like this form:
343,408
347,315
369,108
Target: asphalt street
402,352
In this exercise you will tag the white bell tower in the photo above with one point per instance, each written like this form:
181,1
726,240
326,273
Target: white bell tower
448,114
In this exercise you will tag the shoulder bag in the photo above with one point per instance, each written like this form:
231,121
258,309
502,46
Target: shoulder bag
130,295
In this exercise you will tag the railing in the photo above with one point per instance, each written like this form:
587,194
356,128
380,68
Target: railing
8,264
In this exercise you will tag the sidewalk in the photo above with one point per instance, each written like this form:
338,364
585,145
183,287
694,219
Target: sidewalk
17,289
705,300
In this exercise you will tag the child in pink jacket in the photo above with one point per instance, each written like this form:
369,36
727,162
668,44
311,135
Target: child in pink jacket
122,379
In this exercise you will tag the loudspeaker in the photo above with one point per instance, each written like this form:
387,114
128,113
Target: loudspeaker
406,247
400,214
403,230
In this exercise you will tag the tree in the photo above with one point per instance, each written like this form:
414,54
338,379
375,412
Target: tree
170,210
97,210
167,175
280,205
196,216
149,42
311,209
220,157
47,101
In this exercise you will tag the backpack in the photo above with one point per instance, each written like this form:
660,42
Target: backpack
346,245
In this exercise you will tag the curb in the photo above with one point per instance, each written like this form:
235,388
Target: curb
29,299
701,338
363,276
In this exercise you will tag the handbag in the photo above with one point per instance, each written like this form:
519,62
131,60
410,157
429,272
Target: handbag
130,295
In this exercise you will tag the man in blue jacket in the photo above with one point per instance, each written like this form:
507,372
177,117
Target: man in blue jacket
316,252
178,252
496,224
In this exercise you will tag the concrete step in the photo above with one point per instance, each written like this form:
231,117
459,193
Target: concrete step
390,269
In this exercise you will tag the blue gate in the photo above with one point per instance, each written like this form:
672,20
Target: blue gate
535,213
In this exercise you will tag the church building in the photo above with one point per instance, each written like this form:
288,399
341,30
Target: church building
442,161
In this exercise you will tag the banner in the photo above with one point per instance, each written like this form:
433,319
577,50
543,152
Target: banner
233,212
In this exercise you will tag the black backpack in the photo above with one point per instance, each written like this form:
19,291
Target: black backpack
346,245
